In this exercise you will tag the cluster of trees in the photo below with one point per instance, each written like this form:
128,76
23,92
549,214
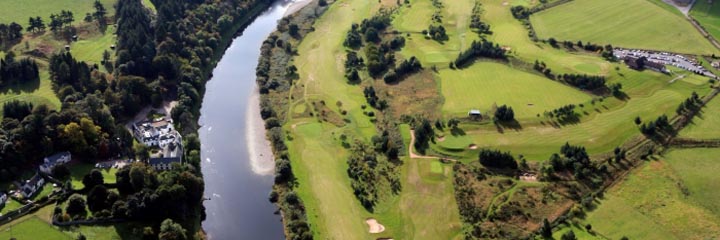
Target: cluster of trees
36,24
584,81
406,67
13,72
353,64
520,12
497,159
369,30
690,105
17,109
436,32
484,48
504,113
10,33
541,67
655,128
61,20
564,113
99,15
571,158
367,169
424,133
373,100
477,23
135,47
379,60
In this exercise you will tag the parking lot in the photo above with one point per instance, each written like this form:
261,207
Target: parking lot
665,58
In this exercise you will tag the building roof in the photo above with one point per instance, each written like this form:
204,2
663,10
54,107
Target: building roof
654,65
634,62
474,112
34,180
55,157
164,160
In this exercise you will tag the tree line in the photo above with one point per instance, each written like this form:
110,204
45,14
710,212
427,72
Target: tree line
14,72
484,48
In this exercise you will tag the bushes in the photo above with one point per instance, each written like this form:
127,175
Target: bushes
584,81
520,12
504,114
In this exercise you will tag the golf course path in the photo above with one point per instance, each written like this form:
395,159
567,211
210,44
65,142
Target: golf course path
412,144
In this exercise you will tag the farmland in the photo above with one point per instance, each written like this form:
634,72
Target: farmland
599,21
708,14
706,125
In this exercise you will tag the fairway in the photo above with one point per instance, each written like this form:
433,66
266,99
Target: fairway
485,84
707,12
705,125
622,23
650,205
20,11
42,94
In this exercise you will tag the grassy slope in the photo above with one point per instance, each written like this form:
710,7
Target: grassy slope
20,11
626,23
32,228
43,94
706,125
488,83
77,172
650,205
708,14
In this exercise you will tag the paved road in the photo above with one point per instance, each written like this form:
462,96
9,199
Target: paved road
666,59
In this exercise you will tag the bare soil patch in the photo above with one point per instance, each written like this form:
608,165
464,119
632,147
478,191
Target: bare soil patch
374,225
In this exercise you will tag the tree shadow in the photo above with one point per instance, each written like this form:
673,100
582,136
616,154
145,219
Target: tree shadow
26,86
512,125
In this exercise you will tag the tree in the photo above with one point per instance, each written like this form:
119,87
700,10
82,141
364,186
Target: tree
170,230
97,198
638,121
93,179
76,205
100,13
294,30
60,171
504,114
546,229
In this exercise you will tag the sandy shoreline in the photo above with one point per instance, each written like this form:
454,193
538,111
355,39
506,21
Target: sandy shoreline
296,6
259,149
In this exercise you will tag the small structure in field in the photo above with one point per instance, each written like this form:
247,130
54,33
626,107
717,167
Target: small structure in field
474,114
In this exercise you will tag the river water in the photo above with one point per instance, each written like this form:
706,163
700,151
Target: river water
237,168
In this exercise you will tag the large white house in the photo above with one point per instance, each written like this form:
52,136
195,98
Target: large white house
31,186
51,161
153,133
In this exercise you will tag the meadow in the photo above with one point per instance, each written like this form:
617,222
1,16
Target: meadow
698,170
20,11
42,94
705,125
707,12
78,171
623,23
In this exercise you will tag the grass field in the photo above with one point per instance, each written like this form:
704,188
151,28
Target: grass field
20,11
32,228
625,23
707,12
485,84
705,125
42,94
698,169
78,171
649,204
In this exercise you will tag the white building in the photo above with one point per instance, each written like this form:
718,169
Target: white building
153,133
51,161
31,186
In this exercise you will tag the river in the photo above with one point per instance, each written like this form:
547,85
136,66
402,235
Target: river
237,168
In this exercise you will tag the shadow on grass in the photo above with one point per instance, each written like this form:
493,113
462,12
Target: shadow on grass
27,86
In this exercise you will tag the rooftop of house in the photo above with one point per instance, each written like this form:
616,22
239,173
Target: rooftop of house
474,112
55,157
654,65
34,180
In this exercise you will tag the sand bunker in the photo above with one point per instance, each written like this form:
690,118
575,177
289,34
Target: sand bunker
473,146
375,226
440,139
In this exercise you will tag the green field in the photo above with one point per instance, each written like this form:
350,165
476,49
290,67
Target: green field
698,169
42,94
20,11
705,125
485,84
78,171
649,204
707,12
32,228
624,23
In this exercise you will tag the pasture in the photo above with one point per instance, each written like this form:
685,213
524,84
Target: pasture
77,172
31,92
486,84
624,23
707,12
698,170
20,11
705,125
32,228
650,204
